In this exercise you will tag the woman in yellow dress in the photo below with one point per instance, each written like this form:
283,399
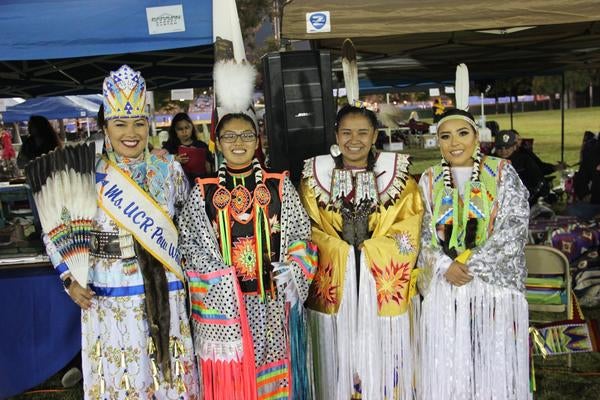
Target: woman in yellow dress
365,211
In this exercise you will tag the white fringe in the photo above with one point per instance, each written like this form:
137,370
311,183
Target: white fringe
385,357
333,341
358,342
474,343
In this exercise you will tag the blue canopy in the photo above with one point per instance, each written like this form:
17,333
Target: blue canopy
51,29
71,45
58,107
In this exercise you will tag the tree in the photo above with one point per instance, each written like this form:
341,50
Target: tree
575,81
252,14
513,87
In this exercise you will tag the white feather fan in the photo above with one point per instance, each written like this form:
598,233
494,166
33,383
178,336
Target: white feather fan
63,187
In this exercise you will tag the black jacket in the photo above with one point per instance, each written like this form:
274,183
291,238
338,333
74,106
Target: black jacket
587,179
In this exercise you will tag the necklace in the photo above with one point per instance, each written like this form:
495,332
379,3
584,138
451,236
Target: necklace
236,203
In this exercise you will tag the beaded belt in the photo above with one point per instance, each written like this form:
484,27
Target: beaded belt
112,245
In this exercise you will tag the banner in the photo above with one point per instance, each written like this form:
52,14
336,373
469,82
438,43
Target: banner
134,210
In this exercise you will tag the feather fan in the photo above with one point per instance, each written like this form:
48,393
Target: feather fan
350,69
63,186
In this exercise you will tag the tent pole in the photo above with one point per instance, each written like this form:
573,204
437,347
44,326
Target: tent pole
562,119
511,110
388,130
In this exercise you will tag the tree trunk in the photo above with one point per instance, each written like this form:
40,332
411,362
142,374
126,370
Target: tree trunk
572,99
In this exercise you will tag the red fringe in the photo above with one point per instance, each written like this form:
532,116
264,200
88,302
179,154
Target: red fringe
227,380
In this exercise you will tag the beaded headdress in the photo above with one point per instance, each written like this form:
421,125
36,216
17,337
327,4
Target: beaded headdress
124,94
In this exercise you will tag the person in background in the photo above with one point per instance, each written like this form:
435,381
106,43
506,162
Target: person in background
416,125
438,110
192,154
588,145
530,173
546,168
42,139
587,183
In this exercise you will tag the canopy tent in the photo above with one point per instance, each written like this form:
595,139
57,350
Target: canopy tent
68,47
423,40
414,40
58,107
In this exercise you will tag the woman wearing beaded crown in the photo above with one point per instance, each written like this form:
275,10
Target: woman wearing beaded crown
136,339
474,321
249,262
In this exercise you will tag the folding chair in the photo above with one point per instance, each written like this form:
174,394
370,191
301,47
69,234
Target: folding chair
548,283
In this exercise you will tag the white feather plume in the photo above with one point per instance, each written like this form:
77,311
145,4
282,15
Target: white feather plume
350,70
234,85
461,87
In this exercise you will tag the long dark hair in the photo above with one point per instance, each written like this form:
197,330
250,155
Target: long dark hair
42,137
173,143
364,112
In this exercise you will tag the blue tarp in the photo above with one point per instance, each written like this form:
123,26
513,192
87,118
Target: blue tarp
70,45
51,29
58,107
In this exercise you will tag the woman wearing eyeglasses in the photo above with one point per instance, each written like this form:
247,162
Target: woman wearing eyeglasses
245,237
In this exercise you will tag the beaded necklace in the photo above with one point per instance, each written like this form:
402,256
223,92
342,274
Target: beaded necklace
474,203
236,203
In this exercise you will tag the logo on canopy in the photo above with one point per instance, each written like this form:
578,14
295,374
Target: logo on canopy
318,22
165,19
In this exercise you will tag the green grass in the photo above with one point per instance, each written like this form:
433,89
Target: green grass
554,380
542,126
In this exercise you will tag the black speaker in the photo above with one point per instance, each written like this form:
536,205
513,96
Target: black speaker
300,109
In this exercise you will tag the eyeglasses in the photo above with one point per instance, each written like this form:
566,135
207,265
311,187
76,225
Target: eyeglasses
231,137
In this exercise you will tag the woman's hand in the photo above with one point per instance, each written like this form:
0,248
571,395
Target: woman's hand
80,295
458,274
159,152
182,158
